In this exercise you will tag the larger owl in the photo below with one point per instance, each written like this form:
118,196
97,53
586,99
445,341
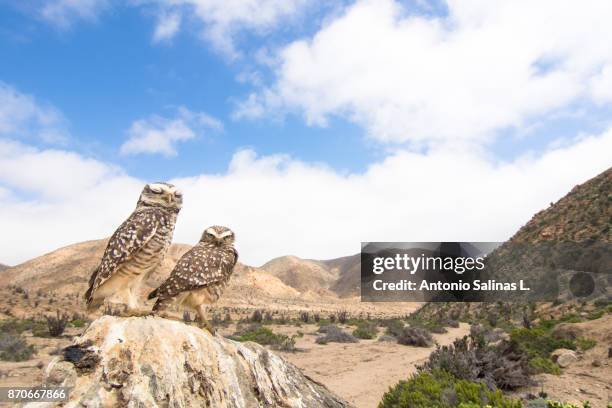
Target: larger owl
201,275
136,248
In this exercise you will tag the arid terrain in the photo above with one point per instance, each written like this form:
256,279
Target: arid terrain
309,312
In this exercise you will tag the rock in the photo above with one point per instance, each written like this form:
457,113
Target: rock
154,362
564,357
596,363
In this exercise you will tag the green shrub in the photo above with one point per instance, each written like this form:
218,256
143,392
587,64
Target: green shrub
14,348
394,327
366,330
537,342
440,389
266,337
78,323
585,344
544,365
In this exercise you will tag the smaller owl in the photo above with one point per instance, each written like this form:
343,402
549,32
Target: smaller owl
201,275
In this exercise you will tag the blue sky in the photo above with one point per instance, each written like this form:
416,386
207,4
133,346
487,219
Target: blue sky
103,75
329,110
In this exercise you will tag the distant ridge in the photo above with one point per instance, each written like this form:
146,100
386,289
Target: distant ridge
3,267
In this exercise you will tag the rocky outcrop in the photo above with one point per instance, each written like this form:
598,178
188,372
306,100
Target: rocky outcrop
564,357
154,362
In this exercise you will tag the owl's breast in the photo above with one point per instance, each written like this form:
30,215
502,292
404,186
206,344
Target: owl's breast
150,255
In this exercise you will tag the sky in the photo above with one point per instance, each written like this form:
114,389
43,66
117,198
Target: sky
305,126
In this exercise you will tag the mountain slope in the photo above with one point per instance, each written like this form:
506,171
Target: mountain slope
301,274
3,267
66,271
585,213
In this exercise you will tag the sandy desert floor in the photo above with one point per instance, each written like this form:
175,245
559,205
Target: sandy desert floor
359,372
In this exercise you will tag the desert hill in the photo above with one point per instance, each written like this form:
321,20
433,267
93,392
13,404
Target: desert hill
585,213
340,276
301,274
59,279
65,273
3,267
349,275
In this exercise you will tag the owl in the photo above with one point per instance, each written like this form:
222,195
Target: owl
135,249
201,275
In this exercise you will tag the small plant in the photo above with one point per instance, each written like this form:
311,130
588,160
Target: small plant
257,316
304,317
264,336
343,317
333,334
585,344
186,316
415,336
394,327
365,330
57,324
14,348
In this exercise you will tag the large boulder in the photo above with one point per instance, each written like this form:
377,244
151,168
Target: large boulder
154,362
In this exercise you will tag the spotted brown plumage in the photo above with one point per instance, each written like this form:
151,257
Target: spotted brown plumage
201,275
136,248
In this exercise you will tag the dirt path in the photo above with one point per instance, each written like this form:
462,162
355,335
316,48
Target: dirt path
362,372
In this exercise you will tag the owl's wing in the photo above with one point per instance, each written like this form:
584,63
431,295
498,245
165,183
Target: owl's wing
127,240
200,267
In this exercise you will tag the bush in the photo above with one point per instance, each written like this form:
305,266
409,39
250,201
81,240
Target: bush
472,359
538,342
440,389
57,324
266,337
257,316
79,323
343,316
333,334
394,327
585,344
365,330
14,348
415,336
16,326
304,317
544,365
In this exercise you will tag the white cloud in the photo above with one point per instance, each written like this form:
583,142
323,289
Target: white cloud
160,135
22,116
62,13
484,67
222,20
168,25
279,206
